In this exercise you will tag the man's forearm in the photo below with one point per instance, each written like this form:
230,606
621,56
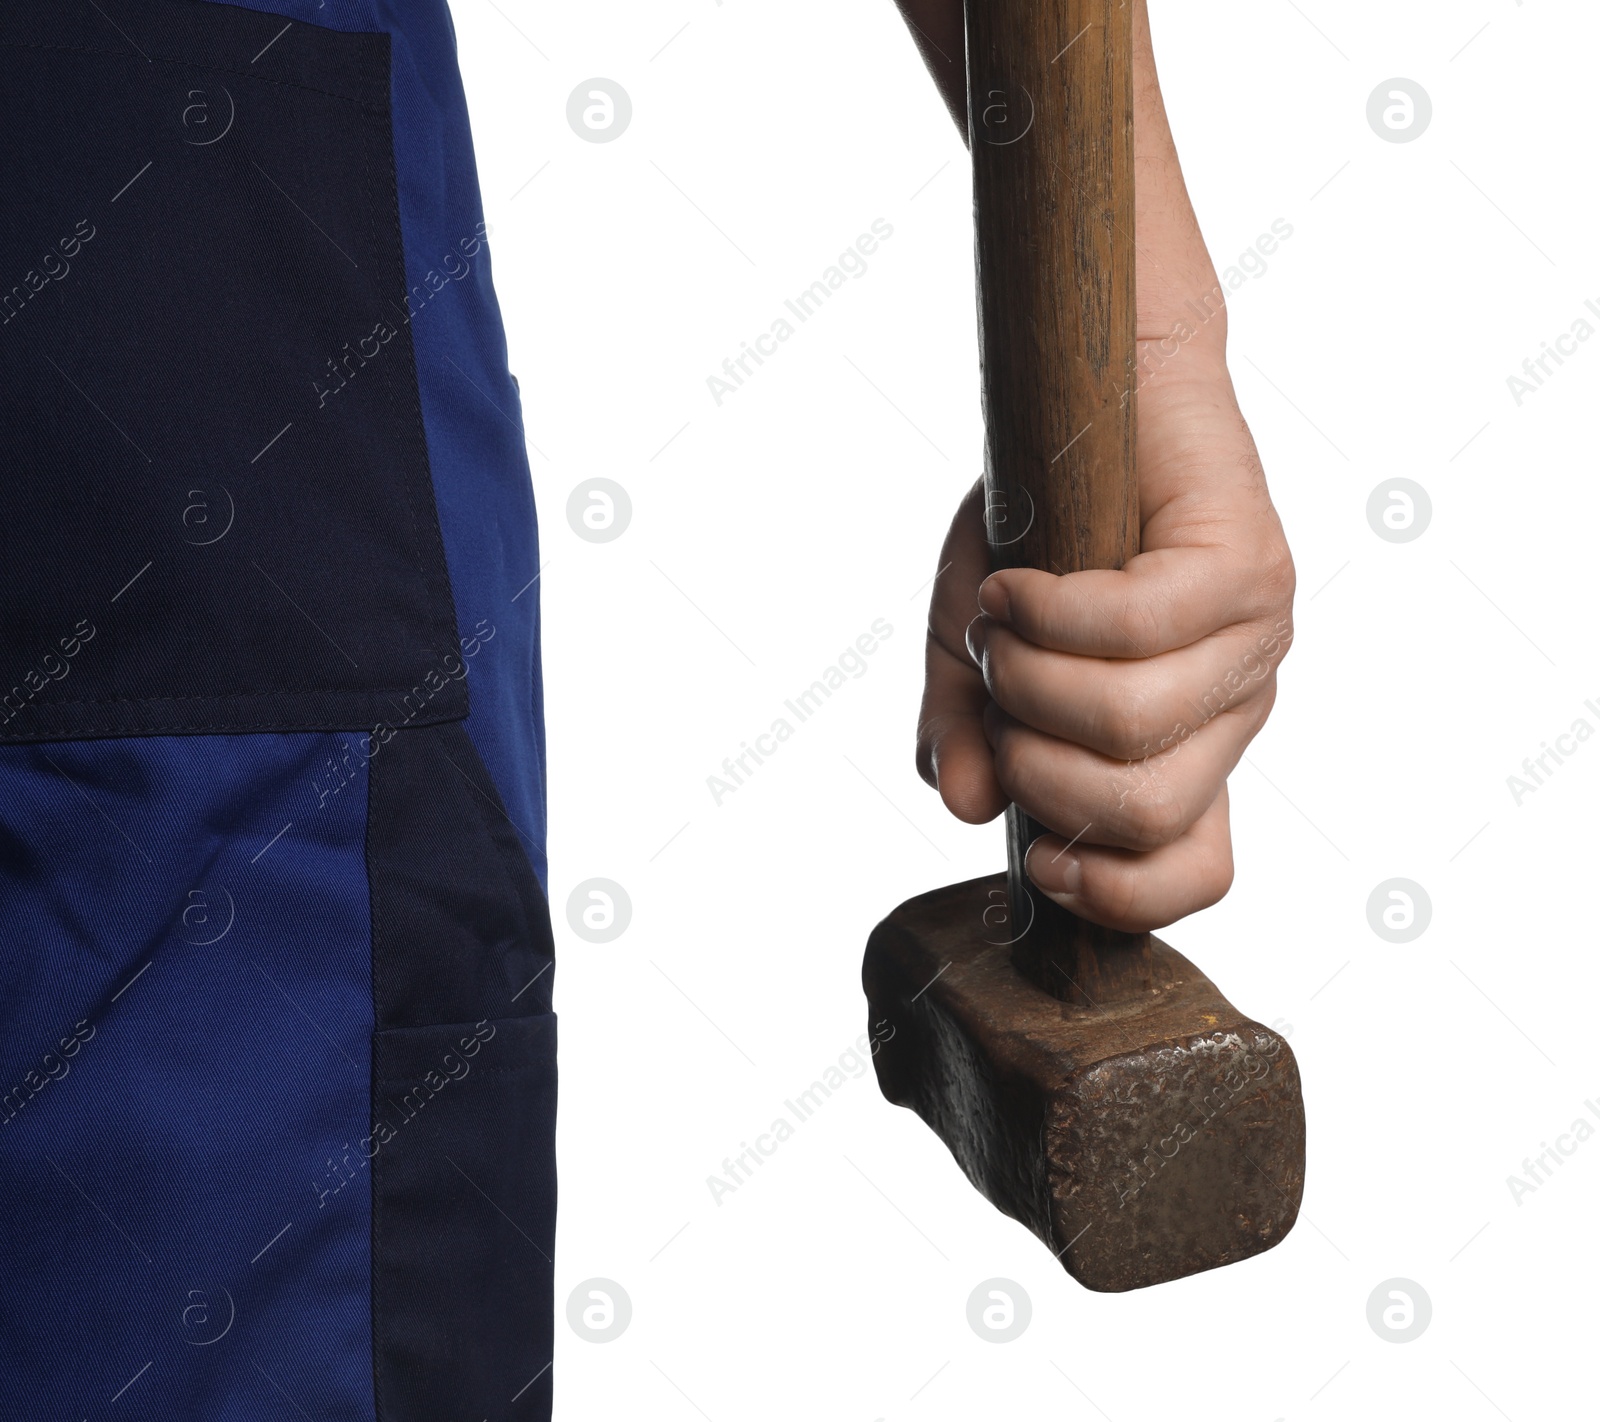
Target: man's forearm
939,28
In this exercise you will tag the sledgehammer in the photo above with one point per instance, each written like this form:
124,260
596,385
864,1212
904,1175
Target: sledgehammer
1094,1084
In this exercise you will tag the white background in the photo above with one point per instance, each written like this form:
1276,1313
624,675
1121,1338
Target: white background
769,532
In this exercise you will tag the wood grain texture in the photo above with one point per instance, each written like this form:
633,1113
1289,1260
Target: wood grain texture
1050,95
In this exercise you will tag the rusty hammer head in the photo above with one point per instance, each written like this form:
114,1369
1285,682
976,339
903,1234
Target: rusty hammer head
1141,1139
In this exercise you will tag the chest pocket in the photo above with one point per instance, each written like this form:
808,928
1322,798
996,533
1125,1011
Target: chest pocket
216,512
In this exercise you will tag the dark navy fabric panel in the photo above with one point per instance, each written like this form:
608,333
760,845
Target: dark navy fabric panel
464,1220
460,929
464,1093
185,1065
218,482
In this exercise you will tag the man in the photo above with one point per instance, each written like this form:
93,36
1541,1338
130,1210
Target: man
278,1092
277,1061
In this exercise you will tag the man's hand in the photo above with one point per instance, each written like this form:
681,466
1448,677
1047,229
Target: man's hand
1112,706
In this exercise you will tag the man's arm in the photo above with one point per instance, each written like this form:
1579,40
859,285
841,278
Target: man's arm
939,28
1113,705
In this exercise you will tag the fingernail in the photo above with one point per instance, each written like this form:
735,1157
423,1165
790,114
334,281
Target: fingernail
1057,873
977,639
994,599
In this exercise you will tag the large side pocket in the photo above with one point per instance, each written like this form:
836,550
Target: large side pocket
463,1219
217,513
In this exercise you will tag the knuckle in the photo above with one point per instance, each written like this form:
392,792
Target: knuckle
1152,820
1258,714
1217,882
1276,578
1129,719
1112,889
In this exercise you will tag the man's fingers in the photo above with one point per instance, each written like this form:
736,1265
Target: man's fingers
1161,600
1138,892
1129,709
1140,805
953,753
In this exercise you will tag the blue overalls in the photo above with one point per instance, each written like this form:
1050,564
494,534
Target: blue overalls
277,1059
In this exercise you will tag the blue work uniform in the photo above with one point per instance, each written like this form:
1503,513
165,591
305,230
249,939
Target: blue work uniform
277,1055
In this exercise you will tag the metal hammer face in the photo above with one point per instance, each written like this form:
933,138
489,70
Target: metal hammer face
1141,1141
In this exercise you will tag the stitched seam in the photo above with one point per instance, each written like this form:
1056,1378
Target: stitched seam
183,728
181,63
375,1246
522,1070
466,1029
256,695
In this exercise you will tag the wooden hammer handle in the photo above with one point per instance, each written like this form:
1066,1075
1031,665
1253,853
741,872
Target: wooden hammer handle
1050,105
